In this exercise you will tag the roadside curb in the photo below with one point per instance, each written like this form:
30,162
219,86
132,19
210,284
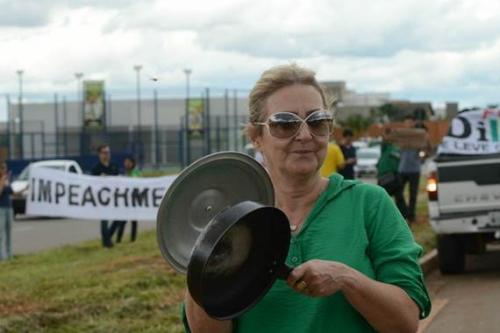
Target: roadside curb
429,262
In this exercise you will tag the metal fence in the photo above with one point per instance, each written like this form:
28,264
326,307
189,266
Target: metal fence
155,147
153,131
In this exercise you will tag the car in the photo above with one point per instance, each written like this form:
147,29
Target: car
20,185
360,144
367,159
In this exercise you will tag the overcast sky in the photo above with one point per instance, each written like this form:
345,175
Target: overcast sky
437,50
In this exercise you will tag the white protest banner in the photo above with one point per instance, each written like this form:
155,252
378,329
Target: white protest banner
61,194
474,132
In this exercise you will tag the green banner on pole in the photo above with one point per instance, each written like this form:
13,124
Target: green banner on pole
93,114
196,109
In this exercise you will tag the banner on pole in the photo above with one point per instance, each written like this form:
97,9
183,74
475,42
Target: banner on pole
56,193
93,114
474,132
196,108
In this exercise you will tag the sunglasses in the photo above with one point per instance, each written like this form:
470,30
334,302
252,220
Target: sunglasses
285,125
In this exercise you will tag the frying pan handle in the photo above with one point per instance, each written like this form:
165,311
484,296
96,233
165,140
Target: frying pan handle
284,271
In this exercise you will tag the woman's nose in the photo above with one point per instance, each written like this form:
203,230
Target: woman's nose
304,133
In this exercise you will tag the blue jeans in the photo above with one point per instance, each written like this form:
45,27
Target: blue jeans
412,178
5,233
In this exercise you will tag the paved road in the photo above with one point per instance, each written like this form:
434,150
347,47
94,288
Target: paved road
468,302
33,235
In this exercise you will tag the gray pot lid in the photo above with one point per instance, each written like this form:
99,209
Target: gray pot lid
202,190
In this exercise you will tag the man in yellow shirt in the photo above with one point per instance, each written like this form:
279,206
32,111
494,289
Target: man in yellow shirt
334,160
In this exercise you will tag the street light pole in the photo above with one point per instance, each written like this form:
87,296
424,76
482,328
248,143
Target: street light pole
79,94
188,72
137,69
20,73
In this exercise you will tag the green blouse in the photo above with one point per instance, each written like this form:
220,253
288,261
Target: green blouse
356,224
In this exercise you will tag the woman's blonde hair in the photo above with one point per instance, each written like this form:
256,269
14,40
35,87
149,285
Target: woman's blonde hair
271,81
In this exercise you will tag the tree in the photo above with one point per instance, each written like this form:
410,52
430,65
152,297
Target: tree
357,123
389,111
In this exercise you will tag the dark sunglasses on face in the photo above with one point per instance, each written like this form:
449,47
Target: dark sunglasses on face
285,125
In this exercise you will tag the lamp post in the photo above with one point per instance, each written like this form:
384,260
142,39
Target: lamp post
188,72
79,94
137,69
20,73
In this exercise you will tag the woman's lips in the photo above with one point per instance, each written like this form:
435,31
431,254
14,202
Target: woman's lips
302,151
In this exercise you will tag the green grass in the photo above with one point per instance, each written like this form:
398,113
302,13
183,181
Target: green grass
422,230
86,288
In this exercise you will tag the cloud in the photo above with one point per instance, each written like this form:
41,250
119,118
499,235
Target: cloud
297,28
434,50
23,14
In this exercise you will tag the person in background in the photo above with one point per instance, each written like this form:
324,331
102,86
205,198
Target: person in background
106,168
388,172
5,220
409,169
349,152
334,160
130,170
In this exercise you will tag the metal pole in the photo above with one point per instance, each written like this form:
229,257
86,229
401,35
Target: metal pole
109,117
187,159
43,138
156,130
65,124
7,100
207,117
235,110
21,111
218,132
137,69
79,104
226,112
56,132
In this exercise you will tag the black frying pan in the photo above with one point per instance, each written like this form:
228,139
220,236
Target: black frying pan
237,258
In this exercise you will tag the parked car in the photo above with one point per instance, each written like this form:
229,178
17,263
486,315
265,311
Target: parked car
360,144
367,159
22,181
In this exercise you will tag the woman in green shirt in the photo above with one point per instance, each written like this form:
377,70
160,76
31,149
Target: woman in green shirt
130,170
355,263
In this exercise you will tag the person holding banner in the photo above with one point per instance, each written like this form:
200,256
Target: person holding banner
354,259
5,214
130,170
106,168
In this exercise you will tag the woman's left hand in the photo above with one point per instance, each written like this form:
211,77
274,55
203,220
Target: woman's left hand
318,278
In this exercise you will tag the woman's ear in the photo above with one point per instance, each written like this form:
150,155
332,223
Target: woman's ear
256,143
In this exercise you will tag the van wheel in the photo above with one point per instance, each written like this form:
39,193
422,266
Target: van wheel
451,254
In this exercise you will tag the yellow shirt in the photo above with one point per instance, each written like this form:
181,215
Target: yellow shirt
334,160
